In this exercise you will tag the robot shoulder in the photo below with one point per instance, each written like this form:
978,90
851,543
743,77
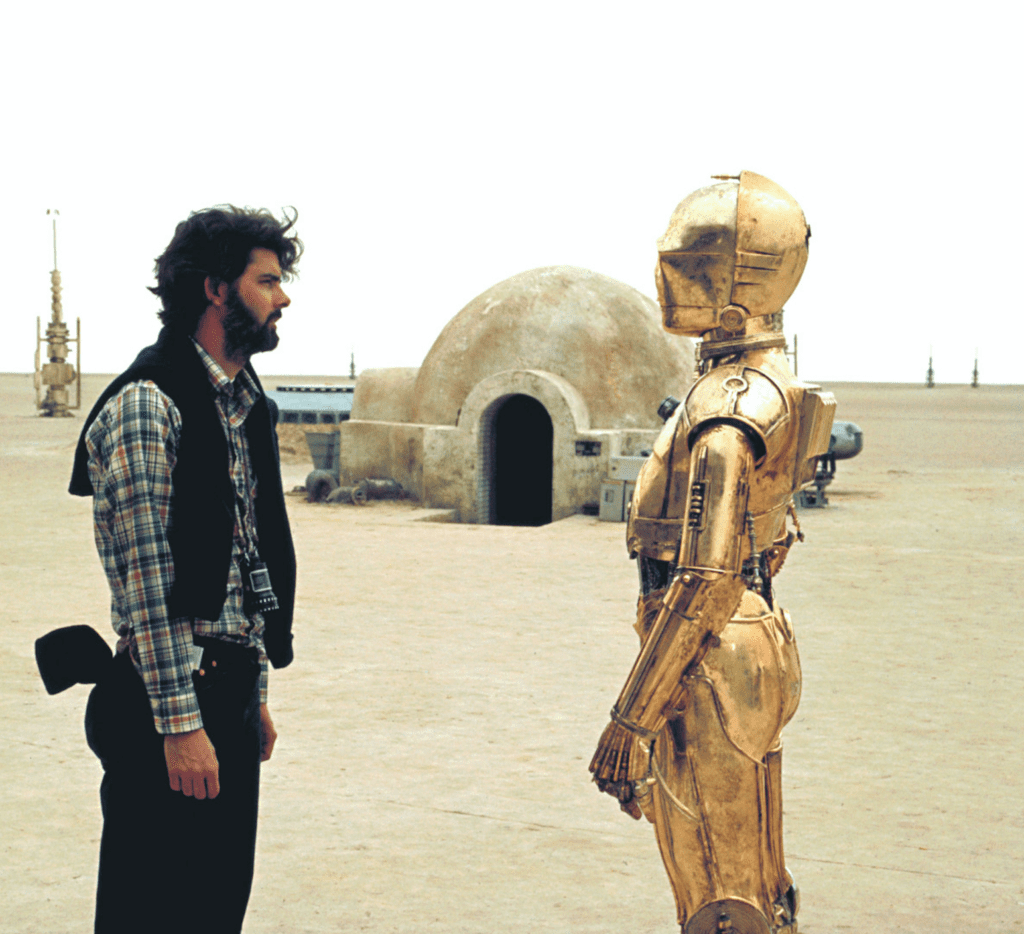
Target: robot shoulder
740,395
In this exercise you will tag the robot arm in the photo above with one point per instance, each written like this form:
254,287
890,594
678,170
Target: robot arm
701,599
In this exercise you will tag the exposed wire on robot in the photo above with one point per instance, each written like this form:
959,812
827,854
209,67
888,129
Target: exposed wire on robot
756,582
679,806
791,512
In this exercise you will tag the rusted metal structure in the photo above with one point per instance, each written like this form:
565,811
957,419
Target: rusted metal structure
57,374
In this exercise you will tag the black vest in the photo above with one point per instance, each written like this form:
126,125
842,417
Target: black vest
202,518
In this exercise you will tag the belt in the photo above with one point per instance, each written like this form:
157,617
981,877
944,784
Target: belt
220,653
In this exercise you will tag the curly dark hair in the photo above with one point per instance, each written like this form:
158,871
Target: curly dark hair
217,243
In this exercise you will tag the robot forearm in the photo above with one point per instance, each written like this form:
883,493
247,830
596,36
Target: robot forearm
697,606
698,603
705,588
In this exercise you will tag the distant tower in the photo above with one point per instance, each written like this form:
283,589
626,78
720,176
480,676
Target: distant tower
974,375
930,383
58,374
352,366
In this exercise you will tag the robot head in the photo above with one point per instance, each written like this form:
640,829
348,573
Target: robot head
733,251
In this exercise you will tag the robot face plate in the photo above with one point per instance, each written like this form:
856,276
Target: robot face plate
697,259
691,288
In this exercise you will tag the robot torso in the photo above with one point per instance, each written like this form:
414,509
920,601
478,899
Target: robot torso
786,423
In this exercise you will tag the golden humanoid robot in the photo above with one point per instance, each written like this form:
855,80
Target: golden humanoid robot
693,742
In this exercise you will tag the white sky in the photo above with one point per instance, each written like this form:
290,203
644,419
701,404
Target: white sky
434,149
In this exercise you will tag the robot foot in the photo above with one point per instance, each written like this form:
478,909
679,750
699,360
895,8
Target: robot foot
728,916
733,916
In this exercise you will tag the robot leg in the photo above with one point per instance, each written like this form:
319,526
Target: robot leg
714,787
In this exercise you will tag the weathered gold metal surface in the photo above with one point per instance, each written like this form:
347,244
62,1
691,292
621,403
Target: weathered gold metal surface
696,604
728,915
721,471
694,738
790,423
754,671
738,394
736,244
655,538
815,431
771,245
716,812
698,251
654,526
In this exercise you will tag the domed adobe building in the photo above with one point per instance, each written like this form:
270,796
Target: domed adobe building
524,397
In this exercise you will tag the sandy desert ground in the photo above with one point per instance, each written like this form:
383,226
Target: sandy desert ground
451,680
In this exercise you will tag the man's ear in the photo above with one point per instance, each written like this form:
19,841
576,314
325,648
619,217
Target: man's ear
218,296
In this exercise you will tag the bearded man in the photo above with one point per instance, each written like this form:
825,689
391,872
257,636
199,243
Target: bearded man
180,457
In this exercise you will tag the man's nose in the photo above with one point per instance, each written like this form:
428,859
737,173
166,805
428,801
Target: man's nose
283,300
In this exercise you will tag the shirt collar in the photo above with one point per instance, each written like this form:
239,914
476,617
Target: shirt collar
242,388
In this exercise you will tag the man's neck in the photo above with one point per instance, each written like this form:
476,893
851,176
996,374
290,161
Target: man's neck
210,336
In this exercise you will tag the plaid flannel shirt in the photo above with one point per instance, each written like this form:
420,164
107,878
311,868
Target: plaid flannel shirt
132,448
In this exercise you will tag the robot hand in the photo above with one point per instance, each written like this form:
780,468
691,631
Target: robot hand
610,767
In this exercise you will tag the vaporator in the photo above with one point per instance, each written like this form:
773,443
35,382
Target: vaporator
694,738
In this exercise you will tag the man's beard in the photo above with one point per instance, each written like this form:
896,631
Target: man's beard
243,336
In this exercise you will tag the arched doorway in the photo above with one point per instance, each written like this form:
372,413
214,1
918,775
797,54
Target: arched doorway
523,458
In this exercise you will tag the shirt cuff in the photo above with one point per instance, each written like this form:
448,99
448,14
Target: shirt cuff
176,713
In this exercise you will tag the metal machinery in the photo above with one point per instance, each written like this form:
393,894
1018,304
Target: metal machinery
846,441
57,374
617,488
313,404
694,738
322,481
325,449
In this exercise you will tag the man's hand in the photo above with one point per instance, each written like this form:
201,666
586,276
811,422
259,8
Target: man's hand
192,764
268,735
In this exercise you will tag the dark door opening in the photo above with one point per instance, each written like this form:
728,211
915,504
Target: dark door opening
523,457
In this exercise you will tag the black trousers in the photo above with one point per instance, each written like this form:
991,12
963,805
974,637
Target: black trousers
170,863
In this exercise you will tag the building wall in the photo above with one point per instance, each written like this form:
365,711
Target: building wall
385,395
383,450
591,350
445,467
